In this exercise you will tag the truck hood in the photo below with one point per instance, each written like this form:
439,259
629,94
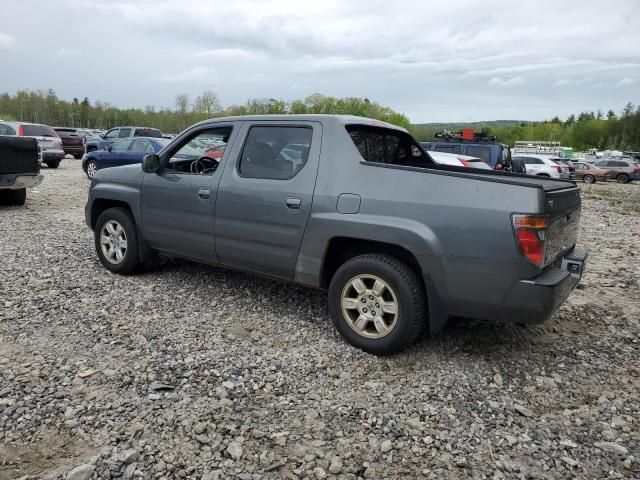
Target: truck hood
125,174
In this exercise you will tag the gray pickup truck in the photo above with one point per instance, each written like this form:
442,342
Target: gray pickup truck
19,168
353,206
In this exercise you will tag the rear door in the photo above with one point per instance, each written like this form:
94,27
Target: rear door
265,196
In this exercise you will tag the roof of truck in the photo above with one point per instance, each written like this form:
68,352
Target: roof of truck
344,119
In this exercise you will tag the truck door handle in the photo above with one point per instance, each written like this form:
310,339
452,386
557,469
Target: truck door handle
204,193
294,203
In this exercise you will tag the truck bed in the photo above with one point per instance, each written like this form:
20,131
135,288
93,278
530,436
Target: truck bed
18,155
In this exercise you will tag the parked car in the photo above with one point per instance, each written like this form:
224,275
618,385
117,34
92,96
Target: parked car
110,136
124,151
589,173
623,171
567,163
496,155
458,160
544,167
49,143
72,141
19,168
394,260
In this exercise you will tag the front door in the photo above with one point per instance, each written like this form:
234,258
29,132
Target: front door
178,203
265,196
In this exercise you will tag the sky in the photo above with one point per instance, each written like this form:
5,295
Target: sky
433,61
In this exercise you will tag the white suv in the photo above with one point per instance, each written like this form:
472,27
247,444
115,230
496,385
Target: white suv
544,167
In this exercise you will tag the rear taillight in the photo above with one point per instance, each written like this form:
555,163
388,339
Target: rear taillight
636,170
558,168
531,236
20,131
498,166
464,162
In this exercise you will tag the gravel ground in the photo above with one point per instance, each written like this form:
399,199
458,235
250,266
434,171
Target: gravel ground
188,371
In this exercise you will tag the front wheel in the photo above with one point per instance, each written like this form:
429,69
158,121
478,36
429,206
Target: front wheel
92,168
622,178
377,303
116,241
589,179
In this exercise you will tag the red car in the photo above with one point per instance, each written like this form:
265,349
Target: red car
72,141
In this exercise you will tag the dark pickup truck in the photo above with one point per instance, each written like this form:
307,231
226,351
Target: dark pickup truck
354,206
19,168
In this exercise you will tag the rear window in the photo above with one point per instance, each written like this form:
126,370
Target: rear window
66,132
383,145
481,152
6,129
38,131
449,149
147,132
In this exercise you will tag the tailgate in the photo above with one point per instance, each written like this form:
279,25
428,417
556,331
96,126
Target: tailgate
18,155
563,208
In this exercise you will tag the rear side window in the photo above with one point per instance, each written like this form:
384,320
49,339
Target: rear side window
275,153
124,132
532,161
6,129
620,164
480,152
141,145
383,145
38,131
147,132
449,149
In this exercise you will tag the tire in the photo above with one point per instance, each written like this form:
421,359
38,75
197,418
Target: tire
129,261
589,179
18,197
91,166
402,287
544,175
622,178
53,163
78,156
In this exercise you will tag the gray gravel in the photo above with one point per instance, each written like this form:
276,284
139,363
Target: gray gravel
188,371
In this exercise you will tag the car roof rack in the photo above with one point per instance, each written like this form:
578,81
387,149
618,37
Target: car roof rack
465,135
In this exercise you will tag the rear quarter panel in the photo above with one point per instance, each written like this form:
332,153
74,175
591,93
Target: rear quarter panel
457,226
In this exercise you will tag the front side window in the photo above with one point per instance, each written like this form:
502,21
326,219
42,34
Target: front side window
383,145
120,145
111,134
124,132
201,152
479,152
275,153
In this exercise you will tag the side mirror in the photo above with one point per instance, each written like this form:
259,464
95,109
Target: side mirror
151,163
108,148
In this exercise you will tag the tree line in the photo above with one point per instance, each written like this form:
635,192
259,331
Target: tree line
41,106
599,130
604,131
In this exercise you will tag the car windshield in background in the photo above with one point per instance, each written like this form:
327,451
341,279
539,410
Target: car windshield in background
38,131
147,132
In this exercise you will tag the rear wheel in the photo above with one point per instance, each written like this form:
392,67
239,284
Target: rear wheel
53,163
13,197
116,241
589,179
622,178
377,303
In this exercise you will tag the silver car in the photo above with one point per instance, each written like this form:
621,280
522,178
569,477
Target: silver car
49,143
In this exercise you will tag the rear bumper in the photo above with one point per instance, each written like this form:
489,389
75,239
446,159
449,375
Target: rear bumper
73,149
52,155
535,300
18,181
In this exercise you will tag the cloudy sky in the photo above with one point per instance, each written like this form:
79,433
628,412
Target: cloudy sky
446,61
